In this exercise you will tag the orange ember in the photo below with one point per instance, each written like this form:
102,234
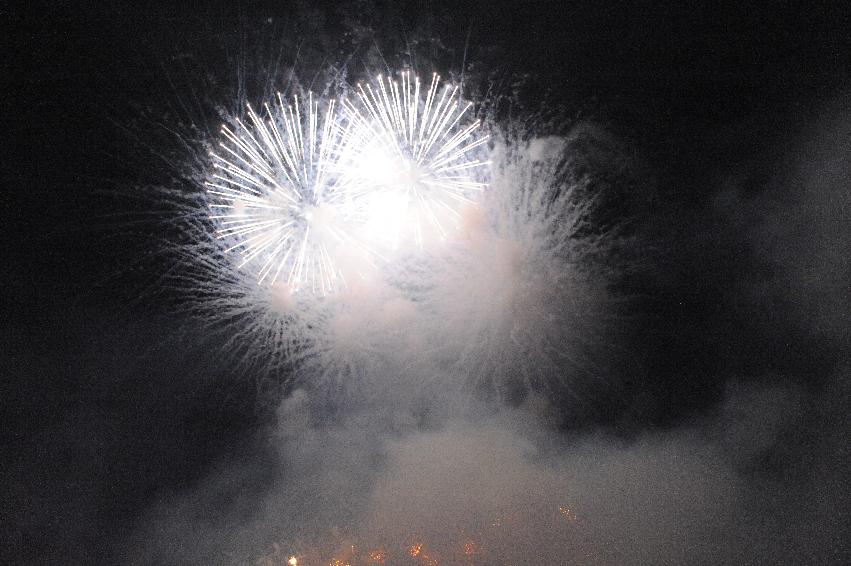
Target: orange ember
567,514
470,548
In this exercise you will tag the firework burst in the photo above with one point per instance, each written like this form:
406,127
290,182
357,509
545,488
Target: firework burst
419,152
522,288
283,198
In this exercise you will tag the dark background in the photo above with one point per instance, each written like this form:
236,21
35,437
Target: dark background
106,403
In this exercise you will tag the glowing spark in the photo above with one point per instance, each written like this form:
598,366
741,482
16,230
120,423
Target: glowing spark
419,152
567,514
415,549
293,561
280,194
470,548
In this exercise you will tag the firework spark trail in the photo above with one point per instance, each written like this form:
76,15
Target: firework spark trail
419,152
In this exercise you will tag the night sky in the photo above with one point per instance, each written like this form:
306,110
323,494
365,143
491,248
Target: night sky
725,146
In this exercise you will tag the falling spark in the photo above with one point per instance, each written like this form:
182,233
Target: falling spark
281,195
420,152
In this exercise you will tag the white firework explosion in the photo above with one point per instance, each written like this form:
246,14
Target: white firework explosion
511,302
283,198
419,153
